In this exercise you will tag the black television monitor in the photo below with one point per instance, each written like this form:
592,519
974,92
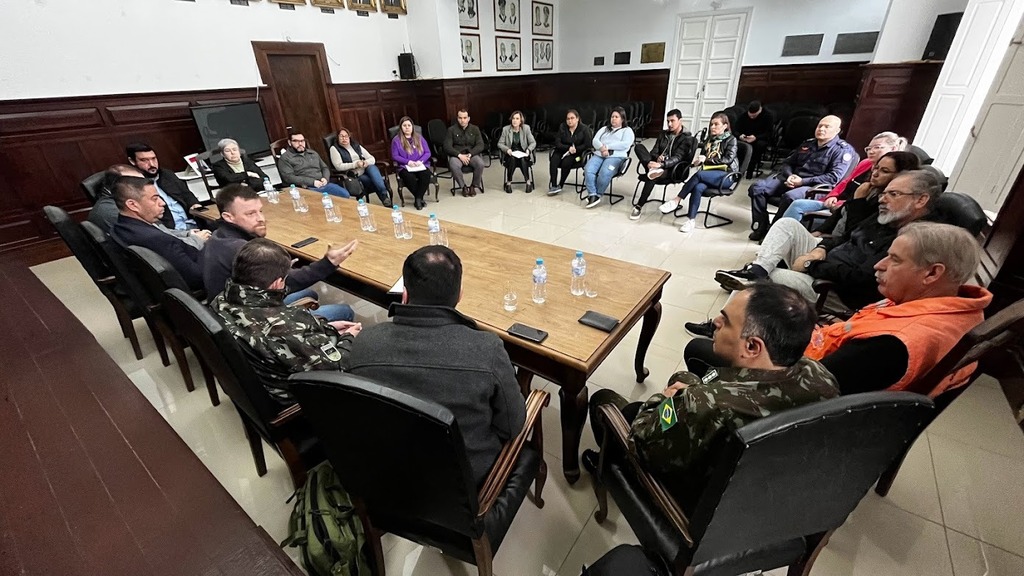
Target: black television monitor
242,122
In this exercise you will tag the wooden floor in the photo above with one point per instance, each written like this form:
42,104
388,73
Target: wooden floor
93,480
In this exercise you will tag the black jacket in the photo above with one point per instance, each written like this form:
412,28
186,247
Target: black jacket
458,141
221,249
178,191
186,259
225,175
725,153
760,127
464,369
582,139
679,150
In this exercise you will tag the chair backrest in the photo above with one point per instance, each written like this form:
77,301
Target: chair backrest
154,271
113,256
278,146
436,131
961,210
70,231
939,175
798,129
393,131
92,186
408,434
801,471
330,140
219,350
923,156
743,154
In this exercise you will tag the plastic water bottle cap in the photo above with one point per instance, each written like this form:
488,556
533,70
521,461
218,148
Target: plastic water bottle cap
579,254
361,201
540,261
293,186
395,206
432,215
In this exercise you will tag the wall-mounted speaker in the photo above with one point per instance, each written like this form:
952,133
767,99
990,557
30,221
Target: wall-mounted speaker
942,36
406,66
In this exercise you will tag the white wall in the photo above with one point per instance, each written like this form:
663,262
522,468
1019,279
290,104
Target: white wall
487,34
590,28
908,26
75,48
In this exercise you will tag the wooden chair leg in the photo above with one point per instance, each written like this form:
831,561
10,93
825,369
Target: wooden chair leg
178,349
537,441
124,319
815,544
484,556
158,339
211,382
255,445
296,467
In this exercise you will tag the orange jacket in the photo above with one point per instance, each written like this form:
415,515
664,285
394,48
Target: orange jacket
928,327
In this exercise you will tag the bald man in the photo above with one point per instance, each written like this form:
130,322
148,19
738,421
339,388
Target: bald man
823,159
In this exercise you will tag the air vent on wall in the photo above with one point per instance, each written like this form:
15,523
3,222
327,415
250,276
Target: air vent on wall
802,45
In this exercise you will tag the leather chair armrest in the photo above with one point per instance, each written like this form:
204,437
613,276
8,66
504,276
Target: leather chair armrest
287,415
495,482
307,303
822,289
617,430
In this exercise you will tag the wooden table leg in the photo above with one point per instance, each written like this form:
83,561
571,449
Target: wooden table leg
574,416
524,377
651,320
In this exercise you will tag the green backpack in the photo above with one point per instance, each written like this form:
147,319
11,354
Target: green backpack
325,525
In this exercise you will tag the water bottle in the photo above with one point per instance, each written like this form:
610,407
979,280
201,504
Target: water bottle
402,231
298,204
540,282
272,195
434,229
579,270
332,215
366,222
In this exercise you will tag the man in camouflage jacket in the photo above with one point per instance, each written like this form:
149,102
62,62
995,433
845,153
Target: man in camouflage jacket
763,332
277,339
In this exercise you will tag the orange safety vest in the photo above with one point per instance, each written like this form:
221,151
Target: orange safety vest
928,327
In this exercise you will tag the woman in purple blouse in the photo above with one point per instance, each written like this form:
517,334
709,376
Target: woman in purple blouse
412,155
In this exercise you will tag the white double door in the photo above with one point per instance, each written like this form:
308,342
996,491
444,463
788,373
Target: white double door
707,63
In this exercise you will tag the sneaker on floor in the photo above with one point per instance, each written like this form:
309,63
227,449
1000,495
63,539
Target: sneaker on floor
655,173
668,207
636,213
740,279
688,226
554,190
593,201
705,329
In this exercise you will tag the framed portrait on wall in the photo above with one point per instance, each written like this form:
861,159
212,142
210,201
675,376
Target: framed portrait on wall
469,14
507,16
295,2
543,15
328,3
543,54
393,7
471,60
367,5
508,54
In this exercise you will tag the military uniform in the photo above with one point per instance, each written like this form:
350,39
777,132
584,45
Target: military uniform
673,437
279,340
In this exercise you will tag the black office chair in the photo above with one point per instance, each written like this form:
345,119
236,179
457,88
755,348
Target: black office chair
923,156
939,175
92,186
399,186
778,487
412,477
725,188
74,237
436,131
613,198
263,417
504,172
679,173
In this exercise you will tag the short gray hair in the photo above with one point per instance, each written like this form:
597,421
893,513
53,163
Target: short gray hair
892,139
924,183
950,245
224,143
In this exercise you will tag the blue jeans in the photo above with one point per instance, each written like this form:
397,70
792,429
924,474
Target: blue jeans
696,186
798,208
373,181
329,312
334,190
599,171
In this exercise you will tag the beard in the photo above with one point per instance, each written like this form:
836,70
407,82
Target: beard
890,216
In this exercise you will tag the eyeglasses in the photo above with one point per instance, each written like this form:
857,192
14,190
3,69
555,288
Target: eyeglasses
897,194
875,147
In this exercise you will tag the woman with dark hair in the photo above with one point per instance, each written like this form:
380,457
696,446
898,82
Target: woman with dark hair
412,155
349,157
611,147
716,157
573,141
516,137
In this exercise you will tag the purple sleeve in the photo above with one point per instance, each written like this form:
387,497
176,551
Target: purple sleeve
398,153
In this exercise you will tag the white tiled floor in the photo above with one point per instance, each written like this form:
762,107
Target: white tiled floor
956,508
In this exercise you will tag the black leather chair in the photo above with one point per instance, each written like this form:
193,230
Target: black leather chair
923,156
113,258
961,210
92,186
410,476
725,188
778,487
75,238
263,417
399,186
156,275
939,175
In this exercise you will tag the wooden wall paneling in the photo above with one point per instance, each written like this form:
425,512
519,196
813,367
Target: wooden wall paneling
41,121
430,102
892,97
814,83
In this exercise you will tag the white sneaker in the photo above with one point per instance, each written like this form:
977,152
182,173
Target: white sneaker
635,214
655,173
669,207
688,226
594,201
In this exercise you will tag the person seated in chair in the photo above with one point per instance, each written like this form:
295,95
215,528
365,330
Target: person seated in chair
571,144
673,147
761,334
611,148
241,220
755,128
716,159
463,144
139,208
277,339
433,352
350,157
516,137
823,159
927,307
411,154
236,168
303,167
175,194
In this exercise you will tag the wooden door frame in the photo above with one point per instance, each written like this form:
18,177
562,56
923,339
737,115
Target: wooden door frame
263,50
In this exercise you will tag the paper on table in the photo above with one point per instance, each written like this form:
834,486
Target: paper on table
417,168
519,154
399,286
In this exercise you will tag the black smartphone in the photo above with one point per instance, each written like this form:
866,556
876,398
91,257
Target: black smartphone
528,332
305,242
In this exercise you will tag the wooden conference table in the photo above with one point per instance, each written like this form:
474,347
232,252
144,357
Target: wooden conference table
571,352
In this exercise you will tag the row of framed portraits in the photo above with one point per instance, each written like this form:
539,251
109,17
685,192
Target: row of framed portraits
508,53
508,15
386,6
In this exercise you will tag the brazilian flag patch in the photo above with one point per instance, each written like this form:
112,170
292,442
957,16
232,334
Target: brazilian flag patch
667,414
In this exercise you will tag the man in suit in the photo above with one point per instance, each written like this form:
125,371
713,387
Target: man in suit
140,207
175,193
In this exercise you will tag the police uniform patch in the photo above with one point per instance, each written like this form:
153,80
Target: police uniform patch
331,352
847,157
